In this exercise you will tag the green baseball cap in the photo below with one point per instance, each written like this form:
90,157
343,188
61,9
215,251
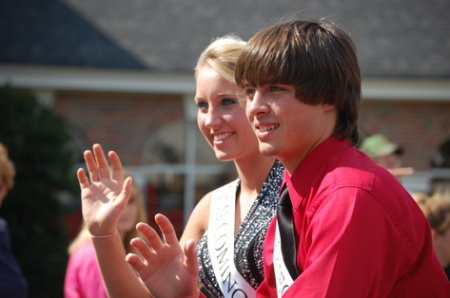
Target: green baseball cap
378,145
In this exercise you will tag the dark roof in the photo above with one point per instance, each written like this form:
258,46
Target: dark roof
395,38
49,32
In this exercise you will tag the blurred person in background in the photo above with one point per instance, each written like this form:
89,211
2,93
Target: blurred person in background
83,277
12,281
437,210
386,154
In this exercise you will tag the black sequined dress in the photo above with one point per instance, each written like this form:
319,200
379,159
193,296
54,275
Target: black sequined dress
249,240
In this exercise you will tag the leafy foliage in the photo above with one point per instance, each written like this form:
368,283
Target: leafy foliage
38,142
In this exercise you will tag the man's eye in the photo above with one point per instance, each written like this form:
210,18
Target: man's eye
276,88
249,92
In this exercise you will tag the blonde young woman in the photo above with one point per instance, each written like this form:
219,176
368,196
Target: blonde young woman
229,223
83,277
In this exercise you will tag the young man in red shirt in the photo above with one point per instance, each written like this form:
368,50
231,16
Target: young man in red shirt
357,231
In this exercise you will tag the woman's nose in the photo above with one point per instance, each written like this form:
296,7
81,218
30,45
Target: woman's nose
212,118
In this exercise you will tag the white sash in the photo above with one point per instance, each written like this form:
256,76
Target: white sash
221,243
282,276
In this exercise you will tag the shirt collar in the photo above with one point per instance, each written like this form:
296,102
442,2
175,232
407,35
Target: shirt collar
300,181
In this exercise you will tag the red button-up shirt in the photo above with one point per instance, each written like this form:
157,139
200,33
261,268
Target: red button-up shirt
358,231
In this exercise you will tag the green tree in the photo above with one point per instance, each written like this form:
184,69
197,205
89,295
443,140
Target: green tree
38,141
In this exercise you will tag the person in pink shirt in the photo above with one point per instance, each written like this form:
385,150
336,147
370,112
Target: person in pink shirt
83,277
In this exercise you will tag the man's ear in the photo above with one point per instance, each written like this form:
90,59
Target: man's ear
328,107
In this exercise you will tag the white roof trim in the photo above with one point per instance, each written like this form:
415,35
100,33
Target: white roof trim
411,89
50,78
36,77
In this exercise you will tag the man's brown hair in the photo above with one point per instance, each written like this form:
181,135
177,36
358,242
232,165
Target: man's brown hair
316,57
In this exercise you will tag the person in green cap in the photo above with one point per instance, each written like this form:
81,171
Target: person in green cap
386,154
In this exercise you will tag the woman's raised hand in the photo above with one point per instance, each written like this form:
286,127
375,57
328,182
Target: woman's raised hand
166,269
105,194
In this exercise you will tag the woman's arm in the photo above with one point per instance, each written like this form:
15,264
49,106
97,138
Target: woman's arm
162,260
104,197
198,221
166,268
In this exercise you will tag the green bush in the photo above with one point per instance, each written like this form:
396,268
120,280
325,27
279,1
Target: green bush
38,141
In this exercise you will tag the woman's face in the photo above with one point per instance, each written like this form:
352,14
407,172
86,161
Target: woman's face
127,221
221,118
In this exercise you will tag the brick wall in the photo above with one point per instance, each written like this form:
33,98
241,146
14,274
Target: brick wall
420,127
124,122
119,121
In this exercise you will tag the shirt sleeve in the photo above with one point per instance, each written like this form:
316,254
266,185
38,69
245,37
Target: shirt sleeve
342,252
353,245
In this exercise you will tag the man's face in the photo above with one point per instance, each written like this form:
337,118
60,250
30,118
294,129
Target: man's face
285,127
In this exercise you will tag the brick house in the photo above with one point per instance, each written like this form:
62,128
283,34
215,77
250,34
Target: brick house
121,73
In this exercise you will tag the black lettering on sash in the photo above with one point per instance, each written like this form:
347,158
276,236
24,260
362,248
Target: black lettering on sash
218,245
284,289
223,264
221,248
282,277
239,293
228,281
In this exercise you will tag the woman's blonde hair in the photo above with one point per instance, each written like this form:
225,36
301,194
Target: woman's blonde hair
221,55
136,195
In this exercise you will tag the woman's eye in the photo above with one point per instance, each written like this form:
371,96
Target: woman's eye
228,101
202,105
